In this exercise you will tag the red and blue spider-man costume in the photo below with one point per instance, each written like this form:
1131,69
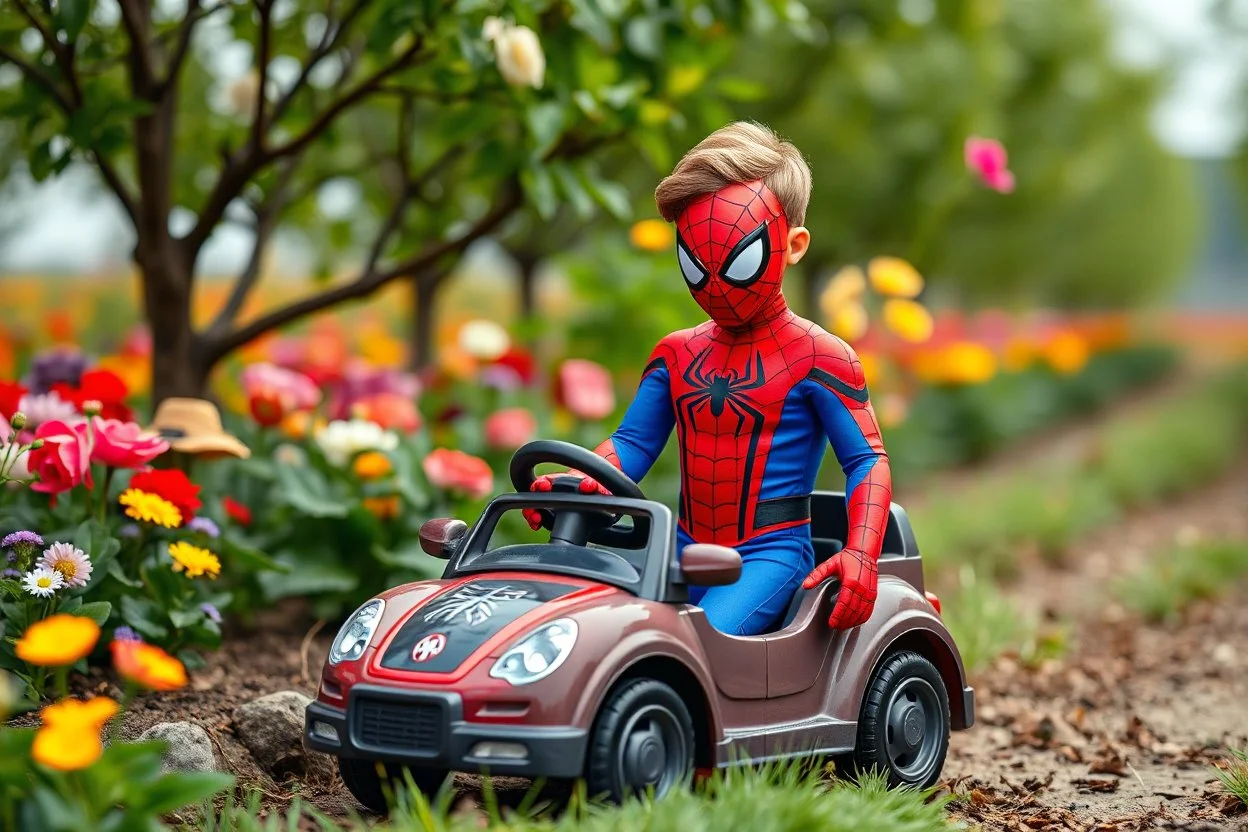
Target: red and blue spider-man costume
752,394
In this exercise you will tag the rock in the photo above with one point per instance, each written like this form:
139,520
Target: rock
272,729
190,747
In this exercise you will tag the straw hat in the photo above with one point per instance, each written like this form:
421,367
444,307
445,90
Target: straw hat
193,426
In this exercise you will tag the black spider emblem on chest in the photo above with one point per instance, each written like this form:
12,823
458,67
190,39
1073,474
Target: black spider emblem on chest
720,389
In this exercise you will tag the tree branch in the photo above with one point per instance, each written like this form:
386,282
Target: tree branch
135,19
329,42
39,77
265,8
64,57
186,29
368,281
119,189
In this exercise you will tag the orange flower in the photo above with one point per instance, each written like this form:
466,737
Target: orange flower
1066,352
966,362
908,320
70,736
652,235
58,640
148,665
1019,353
383,508
372,465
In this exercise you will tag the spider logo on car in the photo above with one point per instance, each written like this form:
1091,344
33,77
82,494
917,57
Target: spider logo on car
428,647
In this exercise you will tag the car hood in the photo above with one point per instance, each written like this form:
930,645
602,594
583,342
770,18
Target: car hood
450,625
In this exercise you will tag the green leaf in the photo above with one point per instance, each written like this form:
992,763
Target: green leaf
644,35
304,490
545,122
185,618
174,791
249,556
140,614
570,185
71,16
588,17
309,574
97,611
540,188
115,570
610,195
409,556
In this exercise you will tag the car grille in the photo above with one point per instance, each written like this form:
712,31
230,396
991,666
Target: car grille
401,726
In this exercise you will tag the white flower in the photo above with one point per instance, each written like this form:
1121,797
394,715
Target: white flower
484,340
243,94
41,582
17,469
47,407
518,53
69,561
341,440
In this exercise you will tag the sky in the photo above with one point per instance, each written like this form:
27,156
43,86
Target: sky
68,225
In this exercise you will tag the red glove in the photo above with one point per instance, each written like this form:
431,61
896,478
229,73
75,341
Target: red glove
859,584
588,485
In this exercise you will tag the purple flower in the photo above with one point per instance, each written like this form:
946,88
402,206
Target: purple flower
11,573
204,525
361,381
130,530
59,364
500,377
124,633
48,407
212,612
12,541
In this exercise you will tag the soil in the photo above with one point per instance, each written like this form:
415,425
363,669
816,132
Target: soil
1120,733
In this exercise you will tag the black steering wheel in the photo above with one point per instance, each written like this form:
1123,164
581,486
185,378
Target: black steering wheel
580,526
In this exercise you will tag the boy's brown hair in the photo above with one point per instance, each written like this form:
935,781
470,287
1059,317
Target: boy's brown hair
743,151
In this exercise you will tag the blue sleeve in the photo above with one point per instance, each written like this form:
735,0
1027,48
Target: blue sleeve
646,426
851,447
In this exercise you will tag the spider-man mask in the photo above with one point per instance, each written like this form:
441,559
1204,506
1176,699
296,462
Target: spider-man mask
730,245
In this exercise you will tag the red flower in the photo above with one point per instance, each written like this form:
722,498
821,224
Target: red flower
585,389
236,511
124,444
266,408
10,398
520,361
64,460
458,471
174,486
390,410
508,429
102,386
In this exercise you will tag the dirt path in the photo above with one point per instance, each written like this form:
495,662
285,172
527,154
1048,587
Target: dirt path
1118,735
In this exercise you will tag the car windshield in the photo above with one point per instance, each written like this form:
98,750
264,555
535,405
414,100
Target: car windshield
505,541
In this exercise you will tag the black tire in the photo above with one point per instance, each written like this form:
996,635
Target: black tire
363,779
903,728
642,740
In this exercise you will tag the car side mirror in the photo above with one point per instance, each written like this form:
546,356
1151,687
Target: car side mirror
441,536
708,564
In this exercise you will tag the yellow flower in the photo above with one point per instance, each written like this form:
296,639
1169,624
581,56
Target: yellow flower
150,508
846,286
148,665
194,560
70,736
300,424
894,277
908,320
850,321
1066,352
58,640
967,362
383,508
372,465
870,368
380,348
652,235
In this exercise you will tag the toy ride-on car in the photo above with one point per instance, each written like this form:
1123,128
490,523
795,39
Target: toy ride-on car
581,657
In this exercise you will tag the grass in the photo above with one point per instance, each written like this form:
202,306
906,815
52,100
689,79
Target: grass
1234,774
775,799
985,624
1171,582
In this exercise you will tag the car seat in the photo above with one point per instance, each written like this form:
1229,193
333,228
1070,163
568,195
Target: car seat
825,548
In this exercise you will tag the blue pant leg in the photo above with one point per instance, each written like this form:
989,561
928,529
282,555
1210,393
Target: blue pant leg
773,567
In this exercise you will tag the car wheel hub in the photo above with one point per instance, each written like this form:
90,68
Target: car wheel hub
651,751
912,735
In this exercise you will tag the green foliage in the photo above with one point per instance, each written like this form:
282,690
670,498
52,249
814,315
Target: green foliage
775,799
123,790
1176,578
985,625
880,99
1234,775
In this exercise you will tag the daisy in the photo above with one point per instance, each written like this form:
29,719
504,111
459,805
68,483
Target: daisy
150,508
193,560
41,582
73,563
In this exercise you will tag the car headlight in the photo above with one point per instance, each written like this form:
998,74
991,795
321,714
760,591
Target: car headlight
538,655
355,635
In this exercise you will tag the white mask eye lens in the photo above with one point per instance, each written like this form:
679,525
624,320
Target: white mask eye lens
694,274
746,261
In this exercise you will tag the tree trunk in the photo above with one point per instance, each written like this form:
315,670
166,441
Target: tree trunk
177,366
420,339
528,264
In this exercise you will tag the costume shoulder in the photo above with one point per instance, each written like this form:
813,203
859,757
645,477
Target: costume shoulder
836,366
673,351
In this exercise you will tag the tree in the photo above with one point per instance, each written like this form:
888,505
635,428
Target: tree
403,104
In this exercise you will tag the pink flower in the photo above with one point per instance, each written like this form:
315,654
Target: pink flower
293,389
390,410
64,461
585,389
124,444
987,158
458,471
508,429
